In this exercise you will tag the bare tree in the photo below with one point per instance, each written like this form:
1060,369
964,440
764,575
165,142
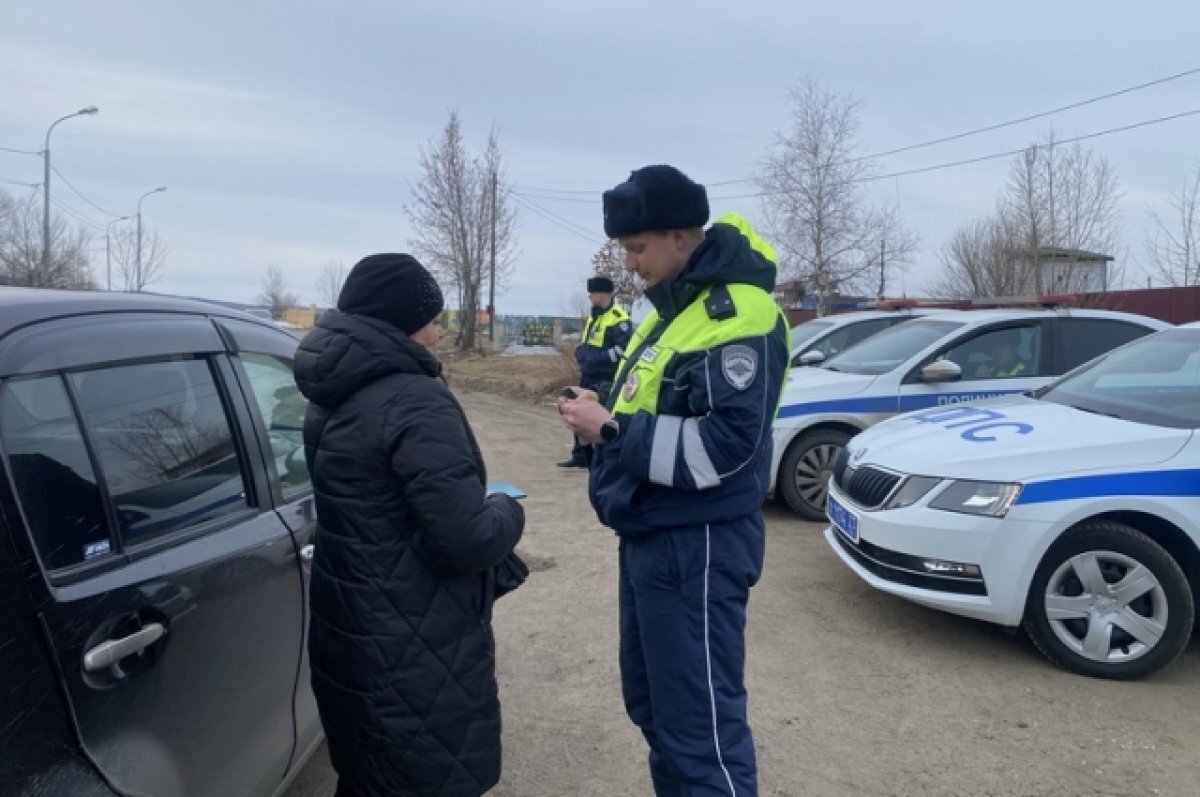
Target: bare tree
897,245
1056,212
21,261
610,262
130,276
464,221
330,281
1064,198
275,293
814,199
977,262
1174,251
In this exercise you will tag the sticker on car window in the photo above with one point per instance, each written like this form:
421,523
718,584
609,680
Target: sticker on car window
96,549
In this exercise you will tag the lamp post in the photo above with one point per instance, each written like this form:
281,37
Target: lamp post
108,251
88,111
138,273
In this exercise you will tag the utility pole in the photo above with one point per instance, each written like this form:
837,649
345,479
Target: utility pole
492,288
91,110
882,272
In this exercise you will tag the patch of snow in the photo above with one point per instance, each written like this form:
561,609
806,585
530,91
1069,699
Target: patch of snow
517,349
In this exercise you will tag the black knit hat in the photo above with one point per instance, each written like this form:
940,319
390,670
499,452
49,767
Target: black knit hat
654,198
392,288
599,285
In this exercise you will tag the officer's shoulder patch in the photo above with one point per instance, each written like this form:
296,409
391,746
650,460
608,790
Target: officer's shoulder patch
739,364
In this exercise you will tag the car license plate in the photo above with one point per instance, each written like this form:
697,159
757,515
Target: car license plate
842,518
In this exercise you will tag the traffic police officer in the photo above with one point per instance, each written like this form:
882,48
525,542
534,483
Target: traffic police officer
680,470
605,336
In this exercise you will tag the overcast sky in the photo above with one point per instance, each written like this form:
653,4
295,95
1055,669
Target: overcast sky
287,132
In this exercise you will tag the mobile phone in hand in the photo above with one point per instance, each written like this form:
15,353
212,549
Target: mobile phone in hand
508,488
568,392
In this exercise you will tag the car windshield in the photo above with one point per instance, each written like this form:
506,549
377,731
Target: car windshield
808,331
1153,380
885,350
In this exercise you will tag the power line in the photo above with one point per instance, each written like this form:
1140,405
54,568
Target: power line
76,214
534,209
937,166
20,151
981,158
19,182
571,228
526,193
582,229
1001,125
80,195
924,144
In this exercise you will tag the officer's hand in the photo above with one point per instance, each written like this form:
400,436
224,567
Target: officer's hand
575,393
584,417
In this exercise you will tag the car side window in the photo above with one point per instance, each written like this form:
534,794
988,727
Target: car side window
1078,340
857,332
1005,353
52,475
282,407
164,444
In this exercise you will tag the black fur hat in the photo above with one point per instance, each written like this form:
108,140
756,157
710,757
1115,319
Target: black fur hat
654,198
599,285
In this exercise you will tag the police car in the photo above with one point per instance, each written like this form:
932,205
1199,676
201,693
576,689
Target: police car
815,341
1074,512
939,360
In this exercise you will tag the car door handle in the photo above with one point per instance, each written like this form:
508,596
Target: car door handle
307,552
106,654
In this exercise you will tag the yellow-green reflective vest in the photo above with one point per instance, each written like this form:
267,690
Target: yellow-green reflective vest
692,331
596,326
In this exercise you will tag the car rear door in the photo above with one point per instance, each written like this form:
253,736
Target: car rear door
168,588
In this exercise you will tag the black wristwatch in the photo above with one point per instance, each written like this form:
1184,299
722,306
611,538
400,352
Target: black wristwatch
610,431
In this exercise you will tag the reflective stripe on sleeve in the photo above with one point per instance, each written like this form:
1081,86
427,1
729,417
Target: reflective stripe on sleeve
696,458
662,451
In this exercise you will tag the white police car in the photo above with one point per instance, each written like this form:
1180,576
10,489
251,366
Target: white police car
943,359
817,340
1074,512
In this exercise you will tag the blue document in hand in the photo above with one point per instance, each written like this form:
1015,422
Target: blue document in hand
508,488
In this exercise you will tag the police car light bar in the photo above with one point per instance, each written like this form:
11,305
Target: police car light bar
897,304
1050,300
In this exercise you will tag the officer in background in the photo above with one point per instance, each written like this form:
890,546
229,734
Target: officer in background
680,469
605,336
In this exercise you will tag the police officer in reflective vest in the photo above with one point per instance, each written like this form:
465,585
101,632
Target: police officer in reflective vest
605,336
680,469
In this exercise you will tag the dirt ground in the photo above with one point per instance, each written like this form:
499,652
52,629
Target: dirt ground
851,692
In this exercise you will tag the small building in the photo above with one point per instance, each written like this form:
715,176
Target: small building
1063,270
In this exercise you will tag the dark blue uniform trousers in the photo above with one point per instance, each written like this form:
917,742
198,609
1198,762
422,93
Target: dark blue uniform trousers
683,595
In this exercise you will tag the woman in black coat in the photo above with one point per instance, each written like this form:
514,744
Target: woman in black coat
407,547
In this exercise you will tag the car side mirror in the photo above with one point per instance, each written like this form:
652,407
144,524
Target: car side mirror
810,357
941,371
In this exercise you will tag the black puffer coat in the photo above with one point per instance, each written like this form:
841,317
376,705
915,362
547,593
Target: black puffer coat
401,646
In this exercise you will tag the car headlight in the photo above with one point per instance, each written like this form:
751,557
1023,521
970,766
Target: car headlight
913,489
992,499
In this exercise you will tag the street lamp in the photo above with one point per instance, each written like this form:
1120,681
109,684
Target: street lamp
91,110
108,251
138,273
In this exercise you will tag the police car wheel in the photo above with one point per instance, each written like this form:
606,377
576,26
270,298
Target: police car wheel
807,468
1109,602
